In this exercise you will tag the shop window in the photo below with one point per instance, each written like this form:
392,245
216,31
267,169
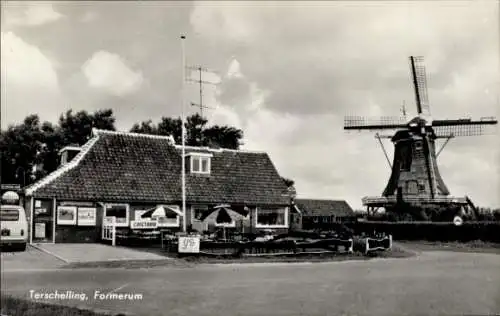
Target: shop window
271,217
66,215
119,211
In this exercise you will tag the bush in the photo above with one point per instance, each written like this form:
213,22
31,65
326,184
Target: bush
485,231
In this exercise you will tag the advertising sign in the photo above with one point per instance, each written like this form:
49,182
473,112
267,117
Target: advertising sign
143,224
39,230
66,215
189,244
86,216
39,211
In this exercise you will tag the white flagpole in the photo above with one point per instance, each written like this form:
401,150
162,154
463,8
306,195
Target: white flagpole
183,119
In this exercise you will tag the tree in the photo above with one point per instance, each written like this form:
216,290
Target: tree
197,132
77,128
32,143
20,147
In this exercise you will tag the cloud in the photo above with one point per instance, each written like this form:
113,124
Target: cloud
30,13
110,72
29,82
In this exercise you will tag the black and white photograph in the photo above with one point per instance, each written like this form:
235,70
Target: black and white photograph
250,158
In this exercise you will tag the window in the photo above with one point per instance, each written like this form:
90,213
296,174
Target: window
9,215
411,187
119,211
66,215
277,217
198,211
421,187
200,163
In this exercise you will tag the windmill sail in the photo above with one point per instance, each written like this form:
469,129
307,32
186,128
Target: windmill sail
374,123
420,85
464,127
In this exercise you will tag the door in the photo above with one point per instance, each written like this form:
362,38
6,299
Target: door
43,221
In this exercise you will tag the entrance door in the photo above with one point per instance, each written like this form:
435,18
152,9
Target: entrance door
43,221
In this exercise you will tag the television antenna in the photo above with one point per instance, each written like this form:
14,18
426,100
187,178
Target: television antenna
201,82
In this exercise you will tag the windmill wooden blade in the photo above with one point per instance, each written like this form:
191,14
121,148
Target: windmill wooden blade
378,123
464,127
420,85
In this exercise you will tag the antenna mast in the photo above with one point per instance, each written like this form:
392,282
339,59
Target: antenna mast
201,82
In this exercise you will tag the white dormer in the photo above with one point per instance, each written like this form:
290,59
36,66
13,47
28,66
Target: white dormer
68,153
199,162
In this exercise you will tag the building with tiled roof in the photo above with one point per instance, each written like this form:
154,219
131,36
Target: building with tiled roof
124,174
317,212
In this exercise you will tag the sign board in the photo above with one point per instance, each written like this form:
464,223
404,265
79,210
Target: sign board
143,224
10,187
189,244
86,216
39,230
39,211
66,215
76,203
457,221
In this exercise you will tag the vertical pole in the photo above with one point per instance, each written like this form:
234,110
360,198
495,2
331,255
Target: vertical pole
54,211
113,232
201,94
32,226
183,119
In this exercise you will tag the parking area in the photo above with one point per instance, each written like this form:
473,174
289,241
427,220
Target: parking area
76,253
32,258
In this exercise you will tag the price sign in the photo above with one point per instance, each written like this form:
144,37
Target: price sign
189,244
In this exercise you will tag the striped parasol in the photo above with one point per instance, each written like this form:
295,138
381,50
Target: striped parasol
223,214
161,211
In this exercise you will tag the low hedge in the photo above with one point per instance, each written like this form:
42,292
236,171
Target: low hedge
468,231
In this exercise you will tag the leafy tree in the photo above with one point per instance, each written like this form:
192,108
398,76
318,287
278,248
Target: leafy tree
197,132
20,146
77,128
33,143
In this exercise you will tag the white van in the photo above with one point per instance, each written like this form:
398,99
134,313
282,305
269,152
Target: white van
13,226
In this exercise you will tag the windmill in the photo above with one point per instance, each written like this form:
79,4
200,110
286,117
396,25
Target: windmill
415,185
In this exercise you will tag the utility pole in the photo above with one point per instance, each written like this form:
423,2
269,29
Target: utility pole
183,142
201,82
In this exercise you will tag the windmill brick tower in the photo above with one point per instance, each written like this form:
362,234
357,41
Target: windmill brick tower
415,186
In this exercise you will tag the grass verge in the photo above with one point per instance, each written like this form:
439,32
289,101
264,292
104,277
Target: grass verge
478,246
13,306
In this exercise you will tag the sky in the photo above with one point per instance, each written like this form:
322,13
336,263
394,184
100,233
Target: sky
286,73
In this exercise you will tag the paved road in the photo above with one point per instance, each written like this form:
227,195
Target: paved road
434,283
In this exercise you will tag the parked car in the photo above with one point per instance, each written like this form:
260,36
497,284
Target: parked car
13,226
